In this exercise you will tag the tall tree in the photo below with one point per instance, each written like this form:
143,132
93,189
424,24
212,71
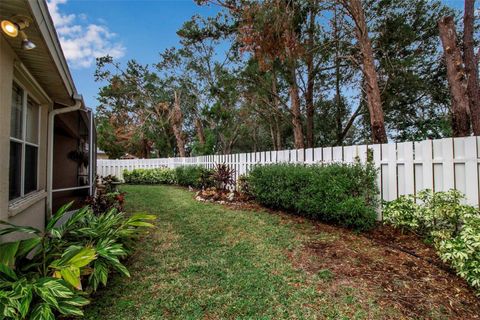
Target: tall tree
128,105
309,57
176,118
377,123
456,77
471,65
410,67
270,30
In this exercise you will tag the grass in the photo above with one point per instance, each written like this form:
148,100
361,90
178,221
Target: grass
204,261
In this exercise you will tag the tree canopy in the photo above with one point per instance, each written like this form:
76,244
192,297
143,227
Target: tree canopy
278,74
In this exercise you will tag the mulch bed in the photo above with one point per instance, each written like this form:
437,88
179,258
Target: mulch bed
398,269
414,281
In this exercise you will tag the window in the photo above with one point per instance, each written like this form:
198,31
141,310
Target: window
24,129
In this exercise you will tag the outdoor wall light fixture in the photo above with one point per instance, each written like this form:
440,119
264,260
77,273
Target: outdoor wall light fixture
26,44
15,26
10,28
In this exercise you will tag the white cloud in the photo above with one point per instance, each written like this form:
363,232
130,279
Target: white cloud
82,42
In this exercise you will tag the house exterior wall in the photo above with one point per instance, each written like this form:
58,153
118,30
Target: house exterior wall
30,210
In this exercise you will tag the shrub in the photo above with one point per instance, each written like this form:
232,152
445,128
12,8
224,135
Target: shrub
187,176
110,183
150,176
338,193
106,196
435,211
453,227
462,252
52,271
223,176
243,185
194,176
206,179
102,202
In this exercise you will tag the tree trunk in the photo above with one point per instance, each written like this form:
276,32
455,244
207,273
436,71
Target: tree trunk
296,112
278,133
276,119
272,136
456,77
176,119
254,138
377,123
310,109
146,149
200,132
471,67
338,95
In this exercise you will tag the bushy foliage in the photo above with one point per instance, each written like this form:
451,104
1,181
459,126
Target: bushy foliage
106,196
428,212
206,179
243,185
102,201
194,176
453,227
150,176
337,193
52,272
187,176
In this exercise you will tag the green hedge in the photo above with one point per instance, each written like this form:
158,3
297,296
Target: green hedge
188,176
194,176
150,176
341,194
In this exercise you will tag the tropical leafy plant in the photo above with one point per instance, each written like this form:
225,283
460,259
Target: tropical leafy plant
104,201
223,176
45,274
37,298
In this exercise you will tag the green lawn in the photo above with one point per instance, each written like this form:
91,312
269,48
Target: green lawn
207,262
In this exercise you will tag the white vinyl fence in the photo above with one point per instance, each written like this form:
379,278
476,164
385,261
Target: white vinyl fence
404,168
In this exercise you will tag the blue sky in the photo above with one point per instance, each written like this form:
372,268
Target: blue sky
125,29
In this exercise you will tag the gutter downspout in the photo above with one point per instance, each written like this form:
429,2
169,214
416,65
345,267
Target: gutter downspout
90,156
51,124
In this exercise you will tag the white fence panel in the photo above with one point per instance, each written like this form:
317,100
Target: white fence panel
403,168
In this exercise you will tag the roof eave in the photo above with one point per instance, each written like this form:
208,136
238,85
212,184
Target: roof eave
42,16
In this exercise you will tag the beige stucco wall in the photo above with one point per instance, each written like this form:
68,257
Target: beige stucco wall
30,210
6,76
